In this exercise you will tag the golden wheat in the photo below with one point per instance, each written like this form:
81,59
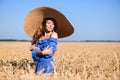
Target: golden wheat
73,60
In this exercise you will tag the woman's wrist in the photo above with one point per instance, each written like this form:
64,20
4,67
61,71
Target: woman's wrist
31,47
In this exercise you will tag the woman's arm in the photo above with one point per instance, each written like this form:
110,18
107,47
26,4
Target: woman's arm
34,47
51,46
47,50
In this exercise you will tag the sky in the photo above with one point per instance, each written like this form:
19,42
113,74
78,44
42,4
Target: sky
91,19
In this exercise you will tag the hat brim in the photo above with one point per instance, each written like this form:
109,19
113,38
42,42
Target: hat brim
35,17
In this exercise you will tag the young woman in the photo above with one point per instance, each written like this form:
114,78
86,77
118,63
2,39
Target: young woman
44,46
45,38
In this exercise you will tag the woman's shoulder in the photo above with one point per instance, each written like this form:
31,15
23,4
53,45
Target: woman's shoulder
54,35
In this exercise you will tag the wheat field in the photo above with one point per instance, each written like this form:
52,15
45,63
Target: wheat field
73,61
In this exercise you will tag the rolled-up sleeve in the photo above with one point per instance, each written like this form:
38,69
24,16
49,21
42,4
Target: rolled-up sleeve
34,55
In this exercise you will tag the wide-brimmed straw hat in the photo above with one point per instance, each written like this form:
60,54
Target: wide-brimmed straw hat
35,17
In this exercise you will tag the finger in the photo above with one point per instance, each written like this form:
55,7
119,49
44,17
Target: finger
51,48
47,47
50,51
31,47
36,47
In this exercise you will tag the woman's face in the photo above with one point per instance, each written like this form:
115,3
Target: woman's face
49,25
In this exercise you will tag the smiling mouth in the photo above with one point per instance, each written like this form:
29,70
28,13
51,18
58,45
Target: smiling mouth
50,28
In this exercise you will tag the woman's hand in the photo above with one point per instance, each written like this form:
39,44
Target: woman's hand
32,47
47,50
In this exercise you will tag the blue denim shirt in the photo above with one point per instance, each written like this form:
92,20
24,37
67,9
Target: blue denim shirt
44,61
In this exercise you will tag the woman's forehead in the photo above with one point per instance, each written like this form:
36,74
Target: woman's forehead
49,21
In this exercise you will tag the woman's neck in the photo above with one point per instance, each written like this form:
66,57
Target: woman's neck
47,35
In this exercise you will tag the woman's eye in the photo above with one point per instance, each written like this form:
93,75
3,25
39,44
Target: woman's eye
48,22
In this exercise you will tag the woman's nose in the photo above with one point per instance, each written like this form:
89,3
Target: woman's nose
50,25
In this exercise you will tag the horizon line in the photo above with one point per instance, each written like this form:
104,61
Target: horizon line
22,40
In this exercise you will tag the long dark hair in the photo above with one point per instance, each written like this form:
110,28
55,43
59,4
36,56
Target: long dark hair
40,31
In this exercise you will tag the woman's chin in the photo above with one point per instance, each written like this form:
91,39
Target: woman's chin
49,30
